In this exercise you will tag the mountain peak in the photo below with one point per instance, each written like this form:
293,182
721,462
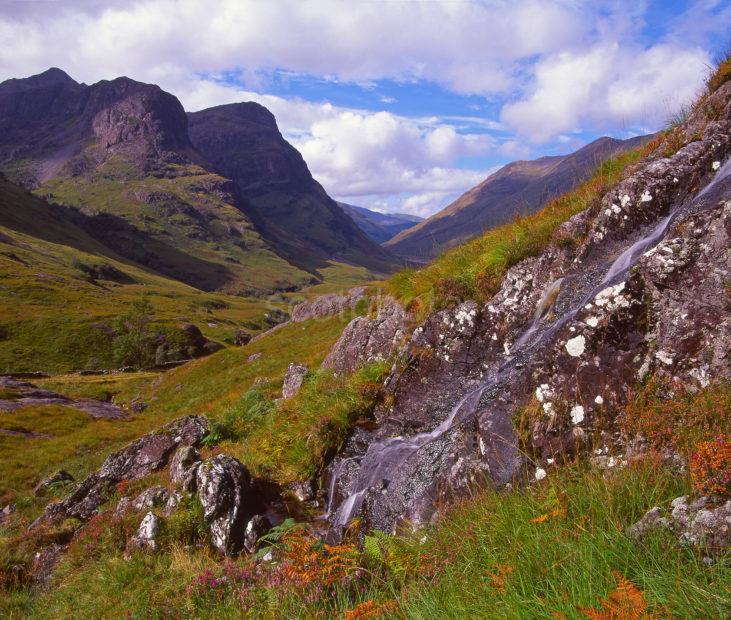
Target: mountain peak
50,77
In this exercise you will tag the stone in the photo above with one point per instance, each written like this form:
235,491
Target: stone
45,562
293,380
368,339
257,526
145,537
253,357
242,337
175,497
150,498
5,513
224,489
59,478
302,491
136,460
184,467
327,305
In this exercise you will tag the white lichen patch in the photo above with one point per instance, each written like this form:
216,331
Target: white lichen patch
575,346
611,297
548,408
592,321
599,400
540,474
616,208
577,414
625,200
646,196
716,165
664,357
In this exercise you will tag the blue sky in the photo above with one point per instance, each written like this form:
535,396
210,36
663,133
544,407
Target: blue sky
398,105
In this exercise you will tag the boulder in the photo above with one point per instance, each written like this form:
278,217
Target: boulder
327,305
242,337
224,488
184,467
293,380
368,339
150,498
257,526
138,459
172,503
58,478
144,538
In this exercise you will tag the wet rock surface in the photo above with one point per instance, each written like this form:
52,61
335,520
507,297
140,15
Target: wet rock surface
293,379
138,459
632,286
368,339
224,490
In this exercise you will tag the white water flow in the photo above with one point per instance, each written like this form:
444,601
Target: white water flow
544,305
383,458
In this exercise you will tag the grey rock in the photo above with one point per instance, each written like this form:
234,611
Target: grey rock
145,537
327,305
138,459
150,498
257,526
367,339
302,491
173,501
224,488
253,357
293,380
56,479
184,467
45,562
5,513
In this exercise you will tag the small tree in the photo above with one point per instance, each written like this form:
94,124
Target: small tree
134,341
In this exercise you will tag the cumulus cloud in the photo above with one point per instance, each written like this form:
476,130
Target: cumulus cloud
605,86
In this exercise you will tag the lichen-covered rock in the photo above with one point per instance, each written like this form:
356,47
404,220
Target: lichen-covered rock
257,526
58,478
174,499
293,379
327,305
138,459
368,339
145,537
184,467
224,489
697,523
150,498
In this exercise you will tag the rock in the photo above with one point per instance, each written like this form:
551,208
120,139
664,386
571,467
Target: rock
367,339
293,380
327,305
144,539
242,337
57,479
138,459
257,526
698,524
45,562
224,486
302,491
123,505
184,467
253,357
6,512
150,498
138,405
276,317
172,503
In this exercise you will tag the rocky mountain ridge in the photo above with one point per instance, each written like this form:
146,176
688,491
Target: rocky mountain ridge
519,188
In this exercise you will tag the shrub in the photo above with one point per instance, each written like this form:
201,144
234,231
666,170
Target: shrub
134,343
710,467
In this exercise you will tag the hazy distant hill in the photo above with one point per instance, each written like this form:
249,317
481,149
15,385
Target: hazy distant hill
380,226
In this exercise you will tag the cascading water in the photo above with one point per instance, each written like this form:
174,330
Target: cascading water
386,456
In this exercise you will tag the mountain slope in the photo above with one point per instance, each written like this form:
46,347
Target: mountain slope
243,143
380,226
519,188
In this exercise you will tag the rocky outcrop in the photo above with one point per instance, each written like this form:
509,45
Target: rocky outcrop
293,379
327,305
224,487
56,479
368,339
184,468
697,523
137,460
632,286
146,535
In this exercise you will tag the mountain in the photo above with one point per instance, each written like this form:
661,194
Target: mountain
244,144
120,152
518,188
380,226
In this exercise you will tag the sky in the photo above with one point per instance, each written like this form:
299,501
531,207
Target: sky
396,105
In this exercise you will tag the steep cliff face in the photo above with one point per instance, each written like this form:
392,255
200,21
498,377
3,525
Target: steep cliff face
634,286
519,188
244,144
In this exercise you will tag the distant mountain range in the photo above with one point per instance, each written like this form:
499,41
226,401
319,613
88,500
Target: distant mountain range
216,199
517,188
380,226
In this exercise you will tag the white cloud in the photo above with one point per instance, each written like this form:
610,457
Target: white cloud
605,86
